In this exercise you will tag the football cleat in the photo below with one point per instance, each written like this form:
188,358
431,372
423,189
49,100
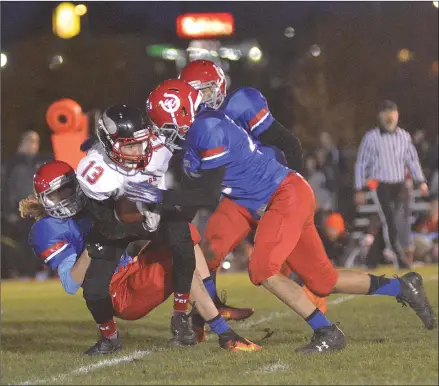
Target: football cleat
325,339
319,302
231,313
233,342
104,346
413,294
182,330
199,326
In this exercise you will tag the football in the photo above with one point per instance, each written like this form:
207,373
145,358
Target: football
127,211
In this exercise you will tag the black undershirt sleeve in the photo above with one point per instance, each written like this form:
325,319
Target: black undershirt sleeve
284,140
203,192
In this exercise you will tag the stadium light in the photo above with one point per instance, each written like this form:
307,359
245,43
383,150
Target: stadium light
315,50
436,4
289,32
227,265
404,55
55,61
81,9
4,59
170,54
66,22
255,54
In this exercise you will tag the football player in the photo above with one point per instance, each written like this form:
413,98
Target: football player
274,199
248,108
127,150
138,285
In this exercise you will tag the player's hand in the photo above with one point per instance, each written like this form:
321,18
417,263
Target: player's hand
143,192
423,189
360,198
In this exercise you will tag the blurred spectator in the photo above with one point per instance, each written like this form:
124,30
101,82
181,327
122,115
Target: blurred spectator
319,183
431,162
425,237
421,146
331,161
334,237
17,183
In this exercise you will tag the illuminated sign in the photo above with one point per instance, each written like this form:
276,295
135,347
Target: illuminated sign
205,25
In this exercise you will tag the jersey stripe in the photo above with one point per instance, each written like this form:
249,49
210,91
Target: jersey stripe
53,250
259,118
212,152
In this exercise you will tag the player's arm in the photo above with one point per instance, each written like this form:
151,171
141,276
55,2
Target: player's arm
53,246
257,119
204,191
205,161
72,271
285,140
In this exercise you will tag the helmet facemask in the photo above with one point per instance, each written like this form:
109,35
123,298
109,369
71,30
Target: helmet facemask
172,133
211,92
114,147
64,197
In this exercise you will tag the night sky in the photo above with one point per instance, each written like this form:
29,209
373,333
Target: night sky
21,19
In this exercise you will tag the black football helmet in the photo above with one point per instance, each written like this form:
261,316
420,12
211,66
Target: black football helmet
120,126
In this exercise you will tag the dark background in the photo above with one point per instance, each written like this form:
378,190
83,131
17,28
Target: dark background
337,91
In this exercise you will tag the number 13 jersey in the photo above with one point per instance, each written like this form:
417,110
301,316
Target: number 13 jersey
100,178
214,140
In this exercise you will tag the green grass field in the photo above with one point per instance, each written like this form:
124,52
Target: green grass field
44,332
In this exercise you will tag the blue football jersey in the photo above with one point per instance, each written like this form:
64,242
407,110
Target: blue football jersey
53,240
248,108
214,140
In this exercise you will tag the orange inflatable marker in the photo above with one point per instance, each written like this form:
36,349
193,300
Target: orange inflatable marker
70,129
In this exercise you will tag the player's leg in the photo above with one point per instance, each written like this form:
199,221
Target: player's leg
309,260
143,284
227,227
289,211
96,294
205,310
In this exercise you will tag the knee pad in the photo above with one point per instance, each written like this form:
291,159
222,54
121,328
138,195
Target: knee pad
325,285
262,271
213,254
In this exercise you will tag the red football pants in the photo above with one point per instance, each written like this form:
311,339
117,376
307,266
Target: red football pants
145,283
286,233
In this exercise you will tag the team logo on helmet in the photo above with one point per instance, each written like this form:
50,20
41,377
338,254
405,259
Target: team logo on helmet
171,104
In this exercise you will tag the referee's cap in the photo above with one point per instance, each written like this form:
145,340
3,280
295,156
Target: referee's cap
387,105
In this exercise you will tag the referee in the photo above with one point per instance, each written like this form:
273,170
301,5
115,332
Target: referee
384,154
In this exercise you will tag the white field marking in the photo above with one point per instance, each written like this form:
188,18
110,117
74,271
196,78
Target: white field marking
88,368
139,354
271,368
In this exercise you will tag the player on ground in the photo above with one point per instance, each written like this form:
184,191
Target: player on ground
278,201
248,108
138,285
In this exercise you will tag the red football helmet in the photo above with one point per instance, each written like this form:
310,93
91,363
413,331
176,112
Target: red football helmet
57,189
172,107
207,77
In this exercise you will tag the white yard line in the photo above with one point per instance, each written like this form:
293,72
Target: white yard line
88,368
139,354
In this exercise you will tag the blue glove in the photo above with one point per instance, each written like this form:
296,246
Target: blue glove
143,192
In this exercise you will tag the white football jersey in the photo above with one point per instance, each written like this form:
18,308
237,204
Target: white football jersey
101,178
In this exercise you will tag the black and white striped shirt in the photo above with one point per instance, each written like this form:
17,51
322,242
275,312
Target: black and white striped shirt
384,156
